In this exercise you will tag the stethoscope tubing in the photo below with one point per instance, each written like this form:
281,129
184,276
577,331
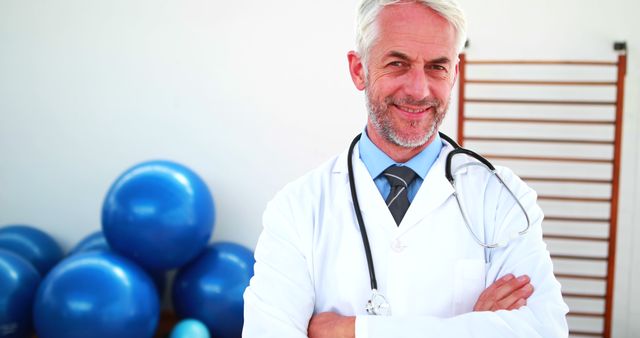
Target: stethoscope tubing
356,207
457,149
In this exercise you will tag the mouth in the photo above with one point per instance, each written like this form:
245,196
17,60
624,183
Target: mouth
412,112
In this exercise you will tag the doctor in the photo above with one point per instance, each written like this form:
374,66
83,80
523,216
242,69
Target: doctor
312,276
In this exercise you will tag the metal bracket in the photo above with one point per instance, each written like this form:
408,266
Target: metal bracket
620,46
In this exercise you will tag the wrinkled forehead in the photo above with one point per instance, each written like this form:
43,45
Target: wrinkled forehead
410,10
414,24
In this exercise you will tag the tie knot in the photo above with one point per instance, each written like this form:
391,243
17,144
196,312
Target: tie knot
399,176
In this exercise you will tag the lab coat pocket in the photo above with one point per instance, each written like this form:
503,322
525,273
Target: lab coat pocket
468,284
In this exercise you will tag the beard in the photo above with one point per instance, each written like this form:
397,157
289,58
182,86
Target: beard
406,134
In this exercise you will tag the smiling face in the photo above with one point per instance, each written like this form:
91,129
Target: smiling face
411,69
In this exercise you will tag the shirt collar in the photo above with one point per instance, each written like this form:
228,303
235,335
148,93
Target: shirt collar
377,161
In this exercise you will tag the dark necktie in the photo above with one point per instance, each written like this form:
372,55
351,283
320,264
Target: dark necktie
398,200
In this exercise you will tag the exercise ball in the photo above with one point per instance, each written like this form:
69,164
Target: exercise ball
96,294
158,213
211,287
190,328
96,242
32,244
93,242
18,284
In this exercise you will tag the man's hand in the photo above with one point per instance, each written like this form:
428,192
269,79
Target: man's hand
331,325
507,293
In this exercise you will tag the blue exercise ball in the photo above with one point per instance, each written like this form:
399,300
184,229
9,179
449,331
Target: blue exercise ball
211,287
32,244
19,282
93,242
97,242
96,294
158,213
190,328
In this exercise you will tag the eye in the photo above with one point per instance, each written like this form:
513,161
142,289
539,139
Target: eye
436,67
397,64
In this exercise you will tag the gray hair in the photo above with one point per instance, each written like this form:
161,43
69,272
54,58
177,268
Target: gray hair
368,11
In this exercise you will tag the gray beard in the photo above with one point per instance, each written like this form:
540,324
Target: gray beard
380,119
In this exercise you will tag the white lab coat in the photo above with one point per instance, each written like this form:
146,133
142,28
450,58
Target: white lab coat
310,259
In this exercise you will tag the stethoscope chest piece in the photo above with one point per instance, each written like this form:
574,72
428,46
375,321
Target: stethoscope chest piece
378,305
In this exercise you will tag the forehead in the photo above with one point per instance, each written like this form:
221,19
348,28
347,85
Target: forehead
413,28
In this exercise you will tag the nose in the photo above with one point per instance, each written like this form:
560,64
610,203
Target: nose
416,85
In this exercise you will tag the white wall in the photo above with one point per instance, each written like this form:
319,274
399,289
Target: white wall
250,94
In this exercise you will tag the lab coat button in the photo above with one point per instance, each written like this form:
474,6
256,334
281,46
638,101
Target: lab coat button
397,246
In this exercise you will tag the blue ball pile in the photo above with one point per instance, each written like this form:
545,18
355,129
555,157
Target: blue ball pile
158,215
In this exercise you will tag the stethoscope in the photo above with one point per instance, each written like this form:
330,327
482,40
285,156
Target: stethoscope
377,304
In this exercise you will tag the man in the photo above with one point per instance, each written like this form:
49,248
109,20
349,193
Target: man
311,272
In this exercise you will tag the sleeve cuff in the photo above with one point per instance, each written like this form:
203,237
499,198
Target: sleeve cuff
361,326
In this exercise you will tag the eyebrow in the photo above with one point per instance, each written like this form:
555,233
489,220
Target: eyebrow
440,60
403,56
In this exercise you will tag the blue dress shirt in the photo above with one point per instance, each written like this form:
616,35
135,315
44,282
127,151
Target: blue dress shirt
377,161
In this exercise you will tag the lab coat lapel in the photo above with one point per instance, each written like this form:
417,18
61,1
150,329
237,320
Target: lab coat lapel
373,207
433,192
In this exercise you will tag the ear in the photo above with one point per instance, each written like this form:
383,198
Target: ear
356,69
